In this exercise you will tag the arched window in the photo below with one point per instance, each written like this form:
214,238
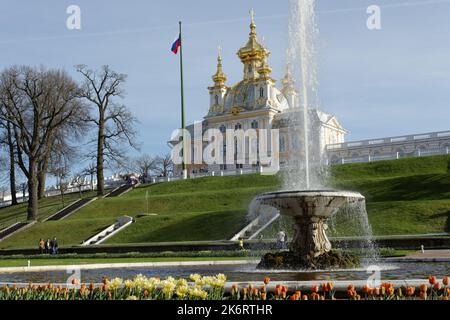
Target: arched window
254,124
250,68
223,129
216,99
238,126
261,92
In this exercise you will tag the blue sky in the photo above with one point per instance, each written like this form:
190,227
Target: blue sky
387,82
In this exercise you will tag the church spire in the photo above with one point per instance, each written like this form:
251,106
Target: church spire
253,53
219,77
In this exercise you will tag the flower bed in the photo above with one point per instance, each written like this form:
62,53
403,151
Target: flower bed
213,288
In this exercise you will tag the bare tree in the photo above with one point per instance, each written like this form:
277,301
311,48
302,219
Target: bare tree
79,181
90,171
38,103
115,123
60,168
165,165
7,140
144,165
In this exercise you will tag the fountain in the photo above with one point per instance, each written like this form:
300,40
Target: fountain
310,209
310,247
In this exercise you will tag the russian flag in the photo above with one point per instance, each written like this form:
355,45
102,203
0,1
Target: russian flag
176,45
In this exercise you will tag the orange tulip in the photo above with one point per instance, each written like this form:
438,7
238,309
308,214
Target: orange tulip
266,280
263,296
432,279
315,289
377,291
423,288
366,289
298,293
410,291
446,281
304,297
351,287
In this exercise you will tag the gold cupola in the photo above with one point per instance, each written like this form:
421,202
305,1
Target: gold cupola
265,70
219,77
253,54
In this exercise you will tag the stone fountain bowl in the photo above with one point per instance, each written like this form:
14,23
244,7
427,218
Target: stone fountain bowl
309,203
310,247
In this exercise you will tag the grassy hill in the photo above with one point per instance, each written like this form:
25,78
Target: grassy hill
403,197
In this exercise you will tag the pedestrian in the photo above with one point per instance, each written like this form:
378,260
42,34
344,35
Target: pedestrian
55,246
41,246
280,239
47,246
241,243
50,247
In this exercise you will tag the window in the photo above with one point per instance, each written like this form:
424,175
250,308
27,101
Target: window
217,99
238,126
223,129
261,92
250,68
254,124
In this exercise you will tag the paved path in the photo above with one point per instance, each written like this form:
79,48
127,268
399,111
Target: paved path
126,265
427,256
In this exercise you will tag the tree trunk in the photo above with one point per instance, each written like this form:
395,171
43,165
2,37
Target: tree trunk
12,167
32,210
100,156
42,176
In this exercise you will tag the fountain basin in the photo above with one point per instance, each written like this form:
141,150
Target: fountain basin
310,209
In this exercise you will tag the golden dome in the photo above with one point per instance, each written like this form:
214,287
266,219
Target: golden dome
219,77
253,50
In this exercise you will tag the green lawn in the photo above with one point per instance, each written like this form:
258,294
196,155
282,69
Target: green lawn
404,196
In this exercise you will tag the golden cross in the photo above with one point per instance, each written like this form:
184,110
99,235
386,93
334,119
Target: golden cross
252,15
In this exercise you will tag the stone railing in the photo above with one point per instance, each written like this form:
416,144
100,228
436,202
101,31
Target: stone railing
390,140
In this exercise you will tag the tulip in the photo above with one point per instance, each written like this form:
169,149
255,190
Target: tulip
432,279
366,289
266,280
446,281
263,296
437,286
304,297
315,289
423,288
410,291
75,281
324,287
298,293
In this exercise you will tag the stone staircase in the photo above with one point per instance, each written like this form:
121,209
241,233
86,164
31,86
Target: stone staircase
122,223
257,225
119,191
12,229
70,209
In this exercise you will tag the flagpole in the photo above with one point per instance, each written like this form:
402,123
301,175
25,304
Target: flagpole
183,124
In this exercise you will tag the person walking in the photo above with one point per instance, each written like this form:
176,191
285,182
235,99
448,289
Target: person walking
47,246
280,239
41,246
55,246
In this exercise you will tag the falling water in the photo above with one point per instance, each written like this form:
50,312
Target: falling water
301,59
351,223
306,169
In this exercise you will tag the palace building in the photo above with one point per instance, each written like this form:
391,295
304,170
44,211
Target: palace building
257,102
